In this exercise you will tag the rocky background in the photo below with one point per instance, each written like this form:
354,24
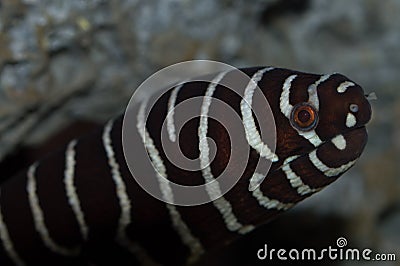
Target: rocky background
80,60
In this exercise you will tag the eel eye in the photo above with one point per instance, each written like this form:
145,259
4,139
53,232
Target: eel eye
304,117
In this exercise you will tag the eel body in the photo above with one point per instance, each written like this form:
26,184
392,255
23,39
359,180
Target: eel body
86,205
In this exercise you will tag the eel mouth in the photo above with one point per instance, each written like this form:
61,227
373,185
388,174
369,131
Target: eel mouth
338,150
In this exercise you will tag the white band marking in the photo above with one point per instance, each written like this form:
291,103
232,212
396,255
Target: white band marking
344,86
171,112
265,201
252,135
196,248
124,202
8,244
312,137
351,120
313,91
328,171
340,142
285,106
38,217
295,181
70,188
212,185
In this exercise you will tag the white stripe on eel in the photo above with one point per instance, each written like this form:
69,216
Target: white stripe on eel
124,201
8,244
344,86
70,188
340,142
313,91
171,112
38,218
326,170
284,104
286,109
351,120
252,135
295,181
212,185
194,245
263,200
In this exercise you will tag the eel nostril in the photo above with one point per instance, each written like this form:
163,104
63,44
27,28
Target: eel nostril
371,96
354,108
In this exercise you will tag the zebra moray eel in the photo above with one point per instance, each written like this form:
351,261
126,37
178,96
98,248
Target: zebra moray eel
81,206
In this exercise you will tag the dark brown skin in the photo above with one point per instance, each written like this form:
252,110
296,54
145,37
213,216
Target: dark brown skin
332,116
151,225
